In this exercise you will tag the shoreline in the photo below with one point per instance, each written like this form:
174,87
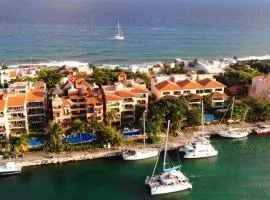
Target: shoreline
41,158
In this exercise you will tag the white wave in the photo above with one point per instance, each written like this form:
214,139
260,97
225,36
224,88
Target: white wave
162,29
265,57
53,64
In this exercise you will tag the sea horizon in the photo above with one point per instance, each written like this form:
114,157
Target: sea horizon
154,31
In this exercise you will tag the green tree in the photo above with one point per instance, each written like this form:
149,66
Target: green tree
169,108
108,134
112,116
78,126
194,117
55,142
239,110
22,145
50,76
208,104
259,109
4,66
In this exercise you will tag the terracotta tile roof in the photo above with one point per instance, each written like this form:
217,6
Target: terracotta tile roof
66,102
139,90
122,74
167,86
75,96
2,105
210,83
233,90
16,100
82,74
189,85
219,95
72,78
112,97
125,94
196,97
35,95
12,74
94,100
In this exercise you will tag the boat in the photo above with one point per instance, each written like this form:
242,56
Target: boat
262,130
10,168
201,147
140,153
170,180
119,35
233,132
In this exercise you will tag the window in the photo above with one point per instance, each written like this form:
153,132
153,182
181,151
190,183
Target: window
166,93
177,93
186,92
208,91
199,91
218,90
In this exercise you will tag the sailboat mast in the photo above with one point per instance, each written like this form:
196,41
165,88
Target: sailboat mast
143,129
202,117
166,145
232,108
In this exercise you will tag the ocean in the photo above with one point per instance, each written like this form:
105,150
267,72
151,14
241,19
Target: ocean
241,171
155,30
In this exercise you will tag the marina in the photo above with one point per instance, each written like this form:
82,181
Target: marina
236,165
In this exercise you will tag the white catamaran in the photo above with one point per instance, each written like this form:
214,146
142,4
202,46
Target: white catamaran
119,34
140,153
170,180
233,132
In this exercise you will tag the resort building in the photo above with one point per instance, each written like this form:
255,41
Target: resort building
176,85
76,99
23,108
7,75
260,87
125,97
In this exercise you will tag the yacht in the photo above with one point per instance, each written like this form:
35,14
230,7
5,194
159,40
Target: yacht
233,132
262,129
201,150
140,153
119,34
10,168
201,147
170,180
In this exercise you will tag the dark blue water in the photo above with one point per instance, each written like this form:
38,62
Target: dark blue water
82,30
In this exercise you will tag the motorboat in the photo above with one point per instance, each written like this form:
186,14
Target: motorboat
10,168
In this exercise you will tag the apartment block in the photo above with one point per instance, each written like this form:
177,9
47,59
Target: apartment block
23,108
125,96
260,87
76,99
175,86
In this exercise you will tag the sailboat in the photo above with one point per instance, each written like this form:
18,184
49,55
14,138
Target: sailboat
140,153
171,179
233,132
119,34
201,148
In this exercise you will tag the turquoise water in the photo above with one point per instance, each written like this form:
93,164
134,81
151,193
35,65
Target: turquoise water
155,30
241,171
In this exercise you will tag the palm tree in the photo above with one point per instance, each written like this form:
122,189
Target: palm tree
55,142
78,126
112,116
22,145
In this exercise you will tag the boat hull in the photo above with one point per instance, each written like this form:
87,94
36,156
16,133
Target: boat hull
140,156
9,173
170,189
202,155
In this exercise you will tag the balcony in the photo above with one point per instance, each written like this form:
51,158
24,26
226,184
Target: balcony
128,100
35,105
15,110
129,107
